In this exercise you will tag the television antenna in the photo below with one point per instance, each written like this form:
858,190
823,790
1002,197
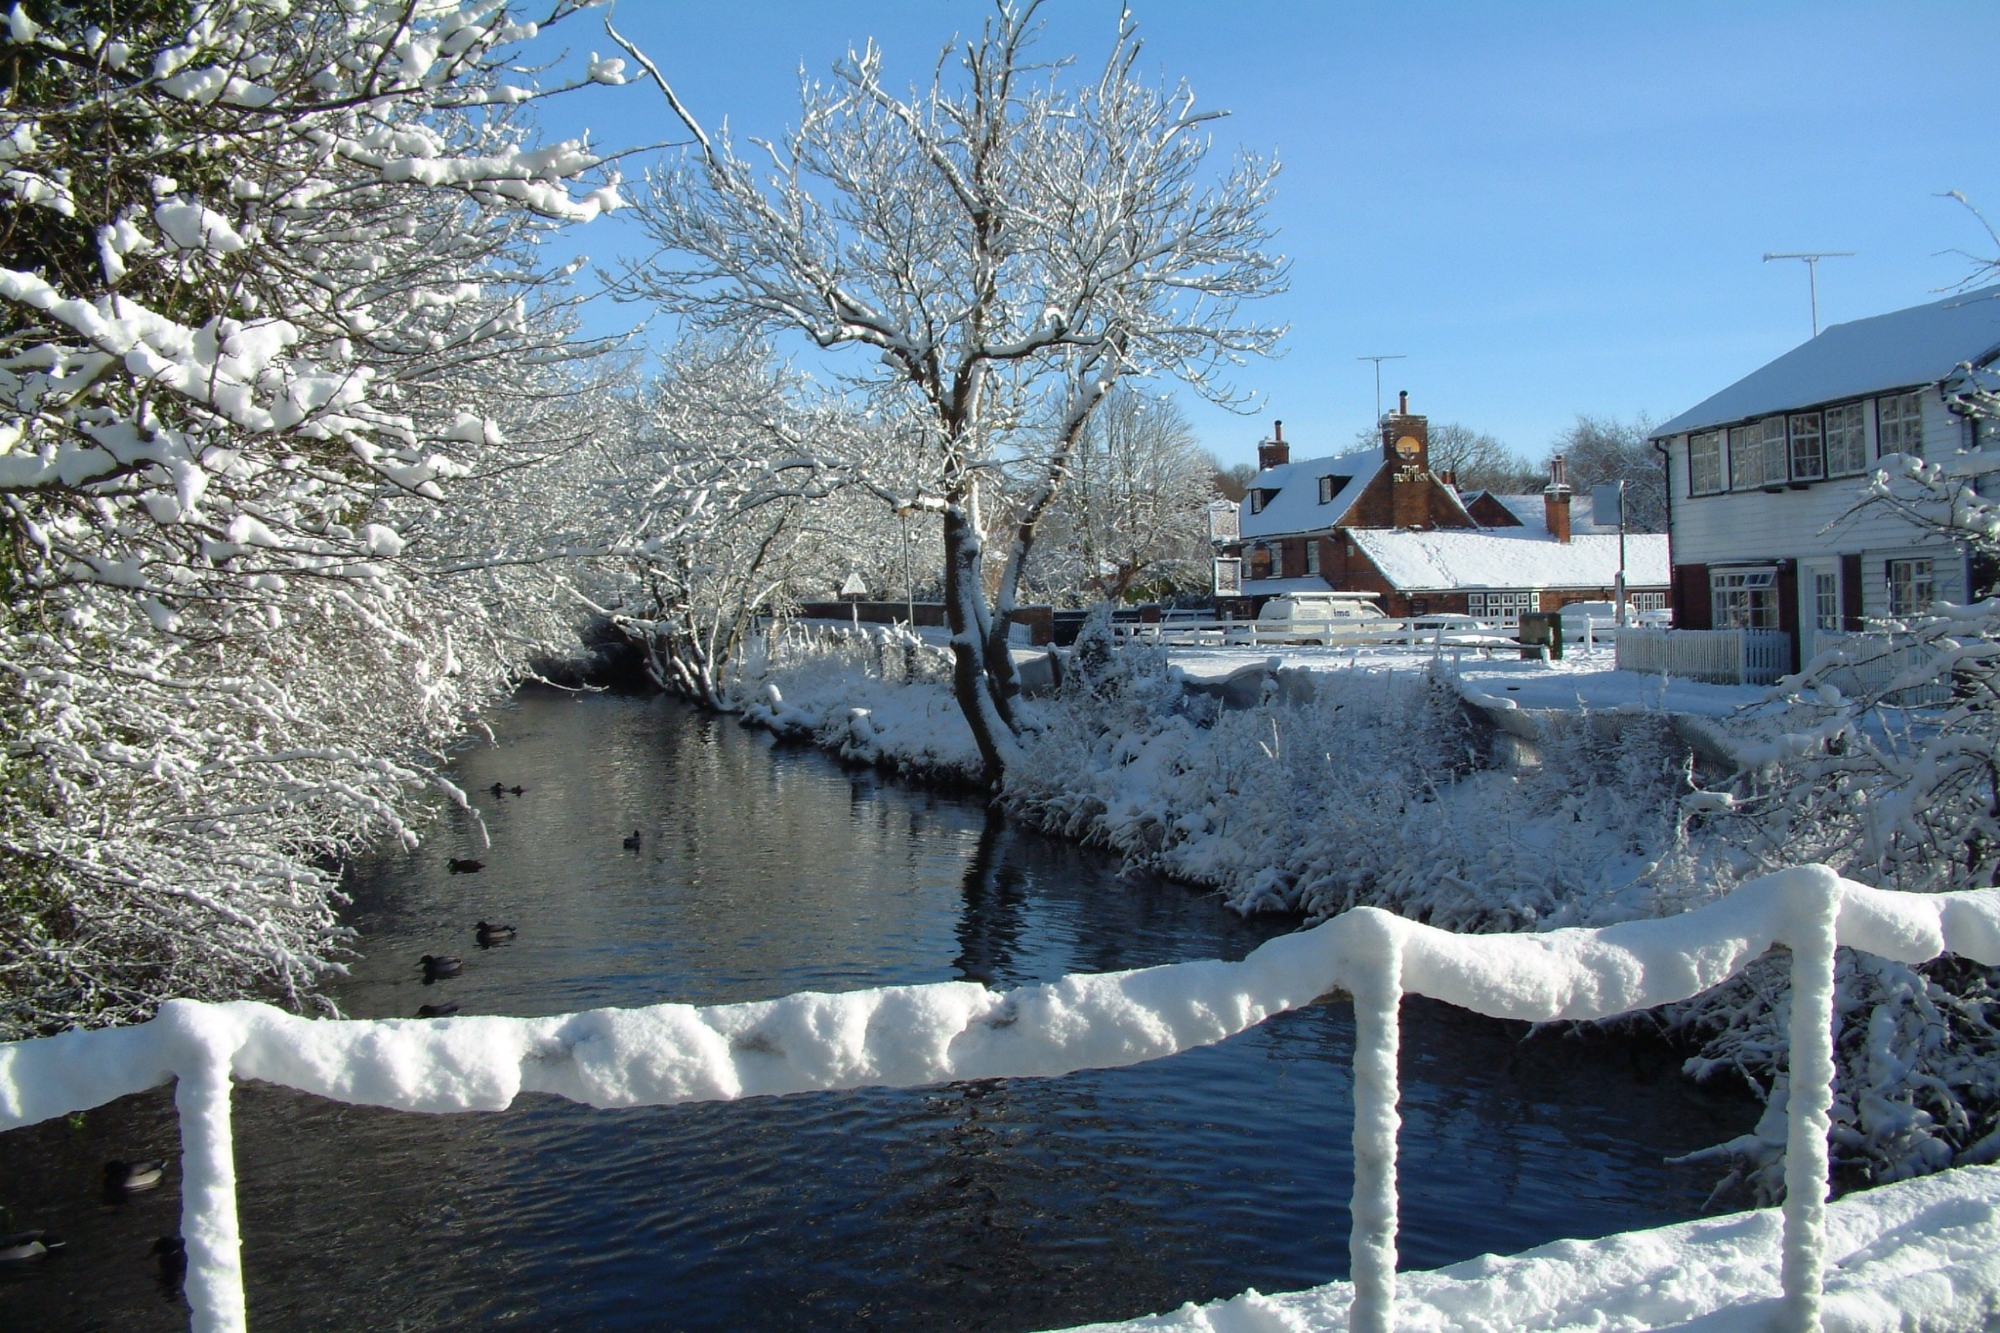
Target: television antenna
1812,258
1378,360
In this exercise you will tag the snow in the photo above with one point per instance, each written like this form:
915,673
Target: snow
1296,507
1446,560
902,1036
1532,510
1920,1254
1900,350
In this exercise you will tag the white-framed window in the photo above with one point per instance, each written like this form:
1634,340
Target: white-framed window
1330,486
1647,601
1705,463
1744,598
1312,555
1826,601
1899,424
1808,453
1505,607
1258,499
1846,440
1912,587
1757,454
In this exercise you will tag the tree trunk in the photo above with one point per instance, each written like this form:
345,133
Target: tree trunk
971,635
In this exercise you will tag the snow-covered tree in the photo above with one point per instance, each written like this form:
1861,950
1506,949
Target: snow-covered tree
269,300
1133,512
1602,450
1009,242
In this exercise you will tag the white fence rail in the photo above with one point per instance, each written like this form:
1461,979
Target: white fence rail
1448,630
1719,656
907,1036
1875,663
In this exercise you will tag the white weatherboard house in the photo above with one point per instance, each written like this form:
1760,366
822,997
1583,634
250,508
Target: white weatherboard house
1765,476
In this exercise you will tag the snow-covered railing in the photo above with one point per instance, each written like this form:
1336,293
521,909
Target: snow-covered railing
909,1036
1719,656
1340,631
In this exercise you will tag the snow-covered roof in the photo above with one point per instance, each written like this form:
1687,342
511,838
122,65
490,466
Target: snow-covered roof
1296,507
1448,560
1530,510
1900,350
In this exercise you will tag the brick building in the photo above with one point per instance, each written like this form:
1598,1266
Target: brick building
1378,520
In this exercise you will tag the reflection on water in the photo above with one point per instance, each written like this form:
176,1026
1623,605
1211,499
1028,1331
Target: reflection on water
1000,1205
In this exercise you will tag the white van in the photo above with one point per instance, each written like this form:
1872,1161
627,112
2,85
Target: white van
1318,617
1600,617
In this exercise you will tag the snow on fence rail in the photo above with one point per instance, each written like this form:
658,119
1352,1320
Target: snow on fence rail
1422,630
907,1036
1719,656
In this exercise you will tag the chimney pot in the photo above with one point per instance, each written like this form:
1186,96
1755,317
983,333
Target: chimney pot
1555,499
1278,431
1403,403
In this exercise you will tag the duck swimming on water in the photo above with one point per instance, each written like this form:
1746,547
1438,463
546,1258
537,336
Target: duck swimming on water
491,933
632,843
436,1010
459,865
27,1247
173,1254
436,966
130,1177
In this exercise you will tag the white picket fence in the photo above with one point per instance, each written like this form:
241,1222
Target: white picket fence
910,1036
1719,656
1875,661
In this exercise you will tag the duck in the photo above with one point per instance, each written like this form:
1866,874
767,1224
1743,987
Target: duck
27,1247
518,789
131,1177
632,843
440,966
173,1256
436,1010
459,865
491,933
497,789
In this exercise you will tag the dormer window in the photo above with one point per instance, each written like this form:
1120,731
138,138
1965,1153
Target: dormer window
1331,486
1258,499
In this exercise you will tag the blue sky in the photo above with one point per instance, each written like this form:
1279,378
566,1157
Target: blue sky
1552,209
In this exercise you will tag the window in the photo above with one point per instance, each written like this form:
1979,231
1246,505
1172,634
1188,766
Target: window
1505,607
1912,587
1312,554
1258,499
1647,601
1744,598
1705,463
1826,601
1899,424
1330,487
1808,455
1846,441
1260,560
1757,454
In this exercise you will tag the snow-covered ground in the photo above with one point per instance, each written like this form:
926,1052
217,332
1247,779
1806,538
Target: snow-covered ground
1921,1254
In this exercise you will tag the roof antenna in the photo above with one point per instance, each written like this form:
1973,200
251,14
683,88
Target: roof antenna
1378,360
1812,258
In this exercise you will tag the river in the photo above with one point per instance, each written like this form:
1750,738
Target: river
762,870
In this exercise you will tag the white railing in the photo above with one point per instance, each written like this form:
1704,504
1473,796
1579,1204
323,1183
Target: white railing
1719,656
1877,661
911,1036
1426,631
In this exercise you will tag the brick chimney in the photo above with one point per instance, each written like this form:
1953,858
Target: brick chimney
1406,443
1274,452
1555,499
1406,439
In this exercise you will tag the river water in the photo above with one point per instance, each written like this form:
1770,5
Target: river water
764,870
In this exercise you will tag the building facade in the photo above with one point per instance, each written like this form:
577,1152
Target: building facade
1767,478
1379,520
